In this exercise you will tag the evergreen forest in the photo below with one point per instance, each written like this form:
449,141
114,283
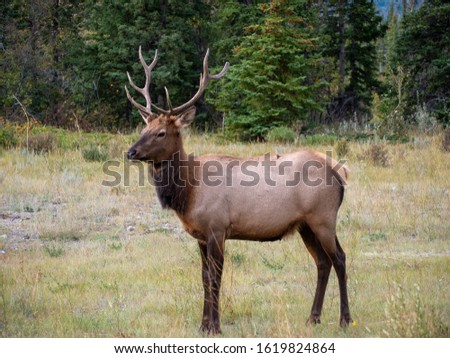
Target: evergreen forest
300,64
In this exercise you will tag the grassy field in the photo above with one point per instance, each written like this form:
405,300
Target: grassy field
79,259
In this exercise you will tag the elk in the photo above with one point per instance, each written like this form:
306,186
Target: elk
219,198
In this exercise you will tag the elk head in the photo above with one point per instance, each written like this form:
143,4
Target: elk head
160,139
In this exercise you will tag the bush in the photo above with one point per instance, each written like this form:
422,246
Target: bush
94,153
425,121
388,117
40,143
7,137
281,135
378,154
392,125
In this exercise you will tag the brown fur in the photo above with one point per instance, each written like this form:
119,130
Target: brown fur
172,192
260,213
264,210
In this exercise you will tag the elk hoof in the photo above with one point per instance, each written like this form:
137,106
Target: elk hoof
203,327
313,320
210,329
345,321
214,330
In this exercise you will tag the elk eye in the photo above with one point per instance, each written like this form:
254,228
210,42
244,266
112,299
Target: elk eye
161,134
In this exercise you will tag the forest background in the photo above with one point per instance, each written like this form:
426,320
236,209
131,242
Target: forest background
301,65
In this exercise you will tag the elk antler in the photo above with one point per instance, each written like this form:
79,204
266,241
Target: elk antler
144,111
204,79
147,111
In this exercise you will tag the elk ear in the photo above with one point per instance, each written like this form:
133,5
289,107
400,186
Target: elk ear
185,119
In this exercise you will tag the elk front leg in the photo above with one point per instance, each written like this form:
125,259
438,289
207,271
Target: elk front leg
215,249
207,308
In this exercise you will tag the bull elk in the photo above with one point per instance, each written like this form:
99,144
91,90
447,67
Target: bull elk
234,207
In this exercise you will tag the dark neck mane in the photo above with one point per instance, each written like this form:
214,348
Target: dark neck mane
170,180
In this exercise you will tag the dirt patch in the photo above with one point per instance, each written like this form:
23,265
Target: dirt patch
12,233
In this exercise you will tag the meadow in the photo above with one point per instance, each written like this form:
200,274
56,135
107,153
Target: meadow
81,259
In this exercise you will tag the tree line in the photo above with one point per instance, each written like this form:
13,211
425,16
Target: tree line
294,63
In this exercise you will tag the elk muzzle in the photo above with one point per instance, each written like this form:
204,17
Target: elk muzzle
131,153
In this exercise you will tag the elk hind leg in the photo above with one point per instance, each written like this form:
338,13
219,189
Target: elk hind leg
330,244
340,267
323,264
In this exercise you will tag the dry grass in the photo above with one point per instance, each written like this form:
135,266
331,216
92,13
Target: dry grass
79,259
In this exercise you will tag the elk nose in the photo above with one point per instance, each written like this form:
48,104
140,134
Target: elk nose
131,153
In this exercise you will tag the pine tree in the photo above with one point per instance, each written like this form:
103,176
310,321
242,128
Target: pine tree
269,84
392,76
333,48
229,22
27,56
423,49
350,30
392,34
365,26
114,30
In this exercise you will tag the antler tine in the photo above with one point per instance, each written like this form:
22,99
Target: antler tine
144,64
148,69
144,91
169,103
160,109
142,110
204,79
221,73
205,65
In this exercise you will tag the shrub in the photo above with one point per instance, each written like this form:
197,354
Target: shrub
378,154
40,143
392,125
94,153
425,121
7,137
281,135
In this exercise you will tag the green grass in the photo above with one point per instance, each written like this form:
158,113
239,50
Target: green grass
71,266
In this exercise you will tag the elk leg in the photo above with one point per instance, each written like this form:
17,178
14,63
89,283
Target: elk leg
215,265
323,264
340,268
206,318
326,235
